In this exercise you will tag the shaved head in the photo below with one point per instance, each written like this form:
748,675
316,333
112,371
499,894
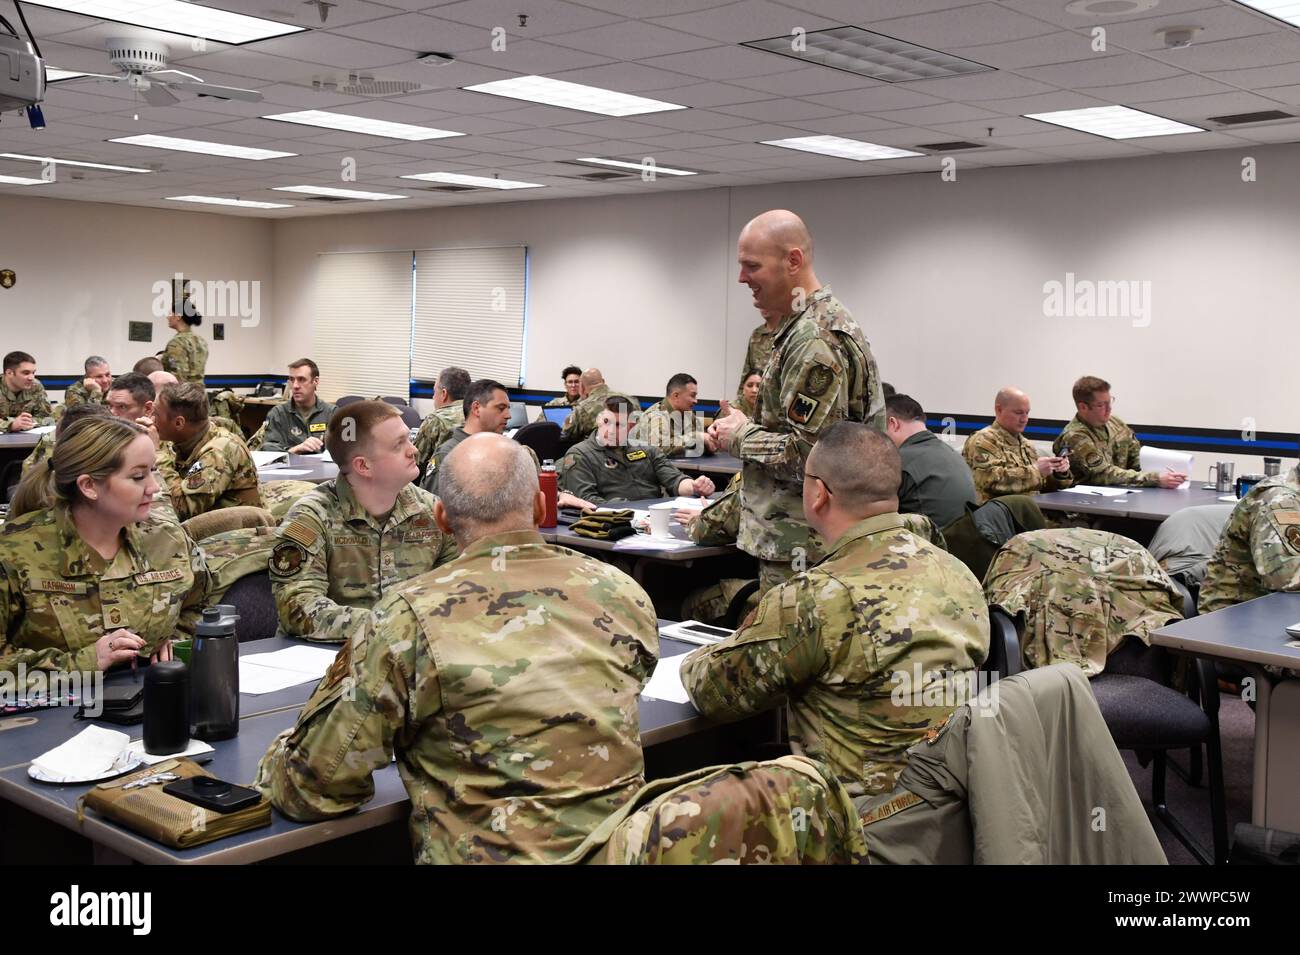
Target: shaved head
1008,395
160,378
592,377
488,484
781,231
859,464
1011,409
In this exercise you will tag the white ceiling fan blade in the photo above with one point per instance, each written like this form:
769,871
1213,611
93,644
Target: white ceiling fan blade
159,95
217,92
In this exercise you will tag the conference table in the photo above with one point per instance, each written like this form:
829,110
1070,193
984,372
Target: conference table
262,718
1139,503
709,464
302,467
1253,634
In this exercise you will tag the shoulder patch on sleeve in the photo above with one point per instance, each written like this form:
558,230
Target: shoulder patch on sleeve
802,408
287,558
300,532
818,379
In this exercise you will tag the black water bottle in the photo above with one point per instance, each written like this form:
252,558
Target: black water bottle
214,689
166,708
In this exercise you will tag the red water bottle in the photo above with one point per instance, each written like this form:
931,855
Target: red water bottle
549,482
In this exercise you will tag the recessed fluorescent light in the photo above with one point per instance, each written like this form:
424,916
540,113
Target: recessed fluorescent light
72,162
340,193
841,148
870,54
1288,11
589,99
482,182
20,181
638,166
359,124
1115,122
53,75
223,201
199,146
173,16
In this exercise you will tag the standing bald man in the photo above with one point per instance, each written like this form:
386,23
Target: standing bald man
821,371
1003,461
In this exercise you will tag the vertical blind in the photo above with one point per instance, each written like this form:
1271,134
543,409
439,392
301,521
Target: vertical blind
469,312
363,318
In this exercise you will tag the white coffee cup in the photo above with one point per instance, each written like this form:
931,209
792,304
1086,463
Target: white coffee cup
661,518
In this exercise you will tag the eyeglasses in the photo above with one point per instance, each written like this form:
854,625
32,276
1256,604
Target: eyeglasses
1103,405
808,474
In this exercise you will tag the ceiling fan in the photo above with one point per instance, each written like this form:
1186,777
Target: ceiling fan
143,64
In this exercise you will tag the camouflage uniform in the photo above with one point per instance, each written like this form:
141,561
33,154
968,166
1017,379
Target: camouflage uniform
1110,454
757,354
1259,549
599,474
40,455
744,405
804,390
34,401
509,698
232,555
57,597
215,471
435,429
717,524
1082,592
186,356
279,496
255,442
561,402
78,394
673,432
287,427
430,482
883,602
226,404
864,395
1004,463
583,420
334,559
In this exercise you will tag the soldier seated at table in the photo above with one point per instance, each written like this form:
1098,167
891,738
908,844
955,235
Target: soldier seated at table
866,647
672,426
40,455
347,542
1003,461
89,577
1102,448
1259,549
93,388
448,413
604,469
298,425
23,402
207,466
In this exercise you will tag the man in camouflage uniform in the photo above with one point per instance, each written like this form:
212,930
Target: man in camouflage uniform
861,686
672,425
207,466
820,372
93,388
40,455
23,403
718,523
1259,549
350,541
506,683
572,389
186,354
594,395
485,408
298,425
603,468
1102,449
1003,461
448,414
757,354
1083,593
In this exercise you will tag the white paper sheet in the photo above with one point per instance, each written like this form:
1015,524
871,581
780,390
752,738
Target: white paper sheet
196,747
696,503
1157,459
267,672
283,472
43,429
91,753
666,682
270,459
647,542
1093,491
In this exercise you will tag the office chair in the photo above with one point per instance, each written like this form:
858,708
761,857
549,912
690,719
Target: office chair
252,598
544,438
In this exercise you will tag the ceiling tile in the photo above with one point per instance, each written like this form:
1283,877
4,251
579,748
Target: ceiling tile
982,23
780,110
416,31
808,81
875,99
747,20
533,57
1056,12
545,17
1102,69
978,86
1060,47
1278,47
725,63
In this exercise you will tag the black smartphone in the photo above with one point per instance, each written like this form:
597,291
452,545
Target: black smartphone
215,794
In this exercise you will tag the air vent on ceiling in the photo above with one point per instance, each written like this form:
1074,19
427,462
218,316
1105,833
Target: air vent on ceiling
327,199
1241,119
363,84
599,175
448,188
951,147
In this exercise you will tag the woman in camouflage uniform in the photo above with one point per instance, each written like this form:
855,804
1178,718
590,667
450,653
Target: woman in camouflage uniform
186,355
88,579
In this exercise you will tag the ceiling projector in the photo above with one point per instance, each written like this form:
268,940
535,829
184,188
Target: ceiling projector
22,74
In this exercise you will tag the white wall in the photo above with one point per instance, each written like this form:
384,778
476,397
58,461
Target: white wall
87,269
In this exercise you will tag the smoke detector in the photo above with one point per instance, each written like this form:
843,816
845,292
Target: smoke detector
1109,8
1178,38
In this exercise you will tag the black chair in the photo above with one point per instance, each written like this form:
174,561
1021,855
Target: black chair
1004,646
736,609
394,400
251,596
348,399
410,417
544,438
